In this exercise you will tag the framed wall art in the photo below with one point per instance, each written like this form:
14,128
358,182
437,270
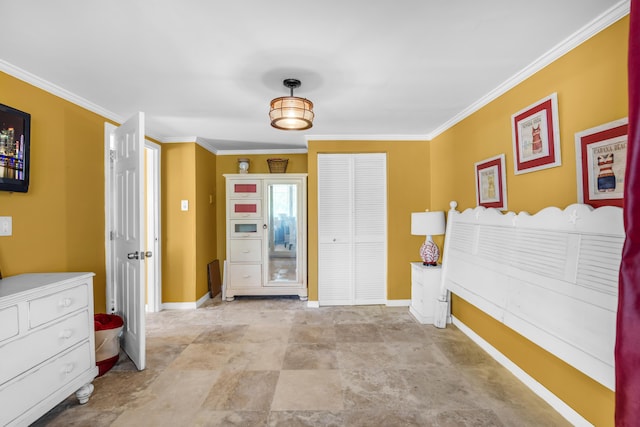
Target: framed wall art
491,183
536,136
601,160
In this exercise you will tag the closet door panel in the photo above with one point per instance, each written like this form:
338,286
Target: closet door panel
335,274
334,198
370,228
370,273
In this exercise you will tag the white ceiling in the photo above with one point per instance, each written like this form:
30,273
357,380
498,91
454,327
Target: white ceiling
208,68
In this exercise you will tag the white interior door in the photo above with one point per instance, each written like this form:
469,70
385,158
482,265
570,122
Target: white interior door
128,234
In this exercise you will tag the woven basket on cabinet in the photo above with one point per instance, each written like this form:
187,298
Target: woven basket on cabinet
277,165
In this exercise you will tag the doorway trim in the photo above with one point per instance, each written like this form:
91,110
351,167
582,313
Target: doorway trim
152,205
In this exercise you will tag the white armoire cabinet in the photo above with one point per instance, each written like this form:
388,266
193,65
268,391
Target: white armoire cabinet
266,235
352,229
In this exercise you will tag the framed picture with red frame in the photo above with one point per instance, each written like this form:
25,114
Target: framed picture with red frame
491,183
601,161
536,136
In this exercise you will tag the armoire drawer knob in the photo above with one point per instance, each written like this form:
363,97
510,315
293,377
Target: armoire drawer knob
65,333
65,302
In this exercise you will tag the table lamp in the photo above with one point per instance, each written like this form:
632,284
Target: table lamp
428,224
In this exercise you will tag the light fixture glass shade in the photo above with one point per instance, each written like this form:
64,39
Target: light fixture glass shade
291,113
427,223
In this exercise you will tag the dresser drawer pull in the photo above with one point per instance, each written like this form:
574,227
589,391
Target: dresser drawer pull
246,251
246,276
68,368
65,302
65,333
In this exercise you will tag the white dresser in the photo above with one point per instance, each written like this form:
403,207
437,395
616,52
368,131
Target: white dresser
425,287
47,348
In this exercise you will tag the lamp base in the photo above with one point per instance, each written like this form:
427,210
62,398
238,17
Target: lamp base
429,252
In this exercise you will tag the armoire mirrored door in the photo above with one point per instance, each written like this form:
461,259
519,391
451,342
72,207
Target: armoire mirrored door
282,242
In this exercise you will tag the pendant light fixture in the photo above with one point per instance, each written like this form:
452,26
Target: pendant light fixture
291,112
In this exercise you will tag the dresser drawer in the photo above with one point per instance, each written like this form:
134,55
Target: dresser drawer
39,345
9,323
50,307
245,189
239,229
244,250
245,275
20,395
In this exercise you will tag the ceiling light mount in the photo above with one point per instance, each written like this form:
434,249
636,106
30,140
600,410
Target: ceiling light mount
291,112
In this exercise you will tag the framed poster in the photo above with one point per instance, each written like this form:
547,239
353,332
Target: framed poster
536,136
491,183
601,161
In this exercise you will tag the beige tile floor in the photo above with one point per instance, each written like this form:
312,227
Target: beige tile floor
274,362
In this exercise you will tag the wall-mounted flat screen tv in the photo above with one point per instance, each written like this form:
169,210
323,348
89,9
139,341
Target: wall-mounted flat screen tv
15,133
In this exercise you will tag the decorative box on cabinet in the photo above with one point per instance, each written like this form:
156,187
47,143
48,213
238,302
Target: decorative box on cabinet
266,235
425,287
46,343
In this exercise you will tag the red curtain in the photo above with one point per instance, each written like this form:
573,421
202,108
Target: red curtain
627,352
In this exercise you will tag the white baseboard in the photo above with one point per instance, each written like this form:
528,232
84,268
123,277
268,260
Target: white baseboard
562,408
185,305
313,304
398,303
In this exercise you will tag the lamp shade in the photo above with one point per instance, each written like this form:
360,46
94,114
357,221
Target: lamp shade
291,113
427,223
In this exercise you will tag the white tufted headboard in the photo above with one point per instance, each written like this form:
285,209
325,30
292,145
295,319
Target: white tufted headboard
552,277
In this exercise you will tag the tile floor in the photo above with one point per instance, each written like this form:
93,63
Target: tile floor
274,362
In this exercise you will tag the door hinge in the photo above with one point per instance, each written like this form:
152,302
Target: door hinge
111,235
112,155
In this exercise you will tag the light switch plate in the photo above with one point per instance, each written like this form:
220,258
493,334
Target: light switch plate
184,205
6,226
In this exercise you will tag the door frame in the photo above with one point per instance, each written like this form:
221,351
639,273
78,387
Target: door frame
152,185
152,207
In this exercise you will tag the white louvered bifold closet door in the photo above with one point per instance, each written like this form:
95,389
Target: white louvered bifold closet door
352,229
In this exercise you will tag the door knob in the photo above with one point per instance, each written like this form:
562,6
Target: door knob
148,254
133,255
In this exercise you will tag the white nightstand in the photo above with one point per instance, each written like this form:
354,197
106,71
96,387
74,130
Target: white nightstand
425,287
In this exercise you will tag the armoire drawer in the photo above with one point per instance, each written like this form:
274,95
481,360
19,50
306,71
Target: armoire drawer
50,307
244,189
245,250
249,228
42,344
245,209
245,275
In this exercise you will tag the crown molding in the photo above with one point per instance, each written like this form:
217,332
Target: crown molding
366,138
56,90
179,139
270,152
609,17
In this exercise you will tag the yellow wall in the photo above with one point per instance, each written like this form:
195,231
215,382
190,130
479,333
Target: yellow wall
408,190
591,83
206,233
257,164
189,237
59,224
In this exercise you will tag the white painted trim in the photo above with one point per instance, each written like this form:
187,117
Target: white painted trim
178,139
155,184
108,219
366,138
313,304
56,90
609,17
398,303
179,305
185,305
278,151
562,408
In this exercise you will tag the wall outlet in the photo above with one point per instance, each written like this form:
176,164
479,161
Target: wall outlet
6,226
